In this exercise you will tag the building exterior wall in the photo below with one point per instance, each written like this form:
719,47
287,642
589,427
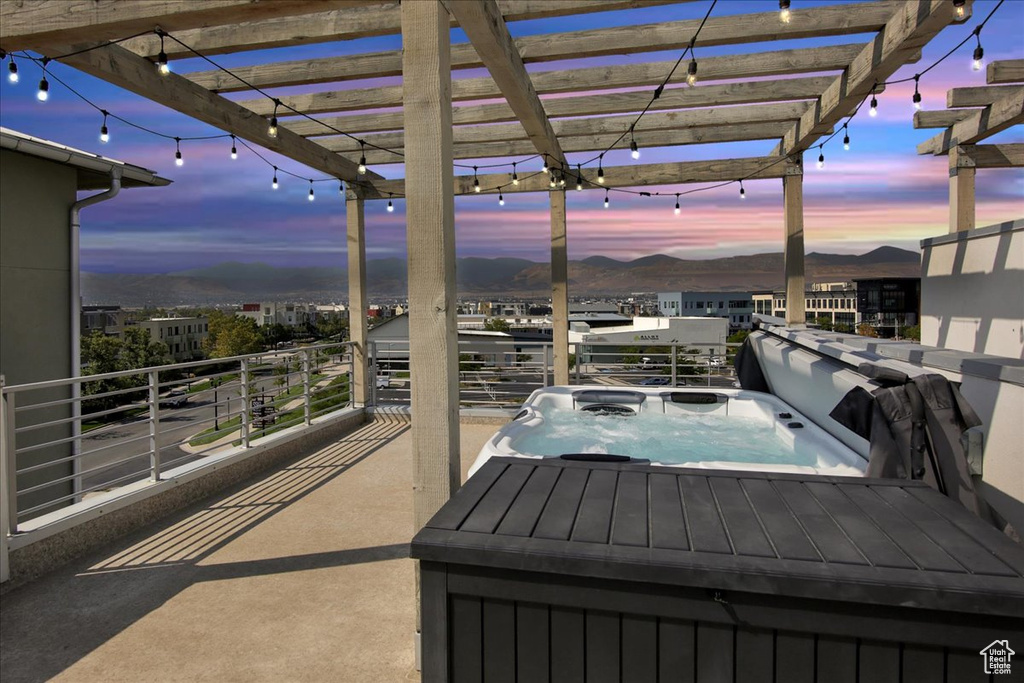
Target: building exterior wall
736,307
108,320
971,290
184,337
35,304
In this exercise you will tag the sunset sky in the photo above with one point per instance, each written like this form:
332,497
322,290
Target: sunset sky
879,192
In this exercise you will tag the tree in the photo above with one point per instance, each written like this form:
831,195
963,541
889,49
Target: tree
101,354
275,333
866,330
232,335
138,350
497,325
912,333
824,322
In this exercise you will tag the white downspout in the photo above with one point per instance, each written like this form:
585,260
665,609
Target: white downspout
74,272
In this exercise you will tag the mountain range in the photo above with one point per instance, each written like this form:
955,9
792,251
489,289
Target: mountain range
234,282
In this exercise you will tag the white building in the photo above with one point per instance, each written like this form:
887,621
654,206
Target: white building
272,312
707,334
183,336
736,307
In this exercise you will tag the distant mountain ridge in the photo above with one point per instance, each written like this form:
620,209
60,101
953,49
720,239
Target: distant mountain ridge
236,282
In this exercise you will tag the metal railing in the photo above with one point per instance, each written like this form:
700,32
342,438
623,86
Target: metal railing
68,439
502,374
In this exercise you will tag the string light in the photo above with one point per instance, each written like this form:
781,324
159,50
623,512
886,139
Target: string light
104,134
515,176
743,193
960,10
552,180
501,199
917,94
821,156
606,198
362,158
272,130
784,14
633,149
691,73
273,183
312,197
161,57
178,161
44,86
341,188
846,138
873,112
476,181
579,178
600,169
979,52
391,205
544,166
234,151
561,179
12,71
676,210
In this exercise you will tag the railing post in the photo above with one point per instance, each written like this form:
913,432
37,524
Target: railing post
545,371
154,425
709,368
8,480
675,351
306,390
246,407
371,350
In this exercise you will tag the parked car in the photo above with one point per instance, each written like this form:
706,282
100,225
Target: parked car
383,381
175,398
656,382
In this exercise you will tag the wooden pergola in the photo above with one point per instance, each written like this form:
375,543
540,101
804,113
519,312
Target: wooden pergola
973,115
787,97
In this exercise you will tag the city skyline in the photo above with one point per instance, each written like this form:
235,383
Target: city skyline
878,193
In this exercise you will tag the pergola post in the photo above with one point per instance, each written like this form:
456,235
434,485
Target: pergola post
961,189
793,252
559,288
357,302
430,221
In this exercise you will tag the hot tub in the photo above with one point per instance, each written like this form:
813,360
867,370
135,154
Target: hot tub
717,428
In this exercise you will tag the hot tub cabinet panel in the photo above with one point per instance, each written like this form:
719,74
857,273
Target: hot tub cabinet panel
553,570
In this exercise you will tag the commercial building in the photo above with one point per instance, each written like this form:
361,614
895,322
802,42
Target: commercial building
707,334
736,307
274,313
107,320
184,337
886,304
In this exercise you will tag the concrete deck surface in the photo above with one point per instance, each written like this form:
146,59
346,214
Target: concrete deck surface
301,575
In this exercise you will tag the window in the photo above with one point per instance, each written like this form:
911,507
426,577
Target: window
721,304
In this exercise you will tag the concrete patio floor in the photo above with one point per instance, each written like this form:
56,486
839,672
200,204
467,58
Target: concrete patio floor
300,575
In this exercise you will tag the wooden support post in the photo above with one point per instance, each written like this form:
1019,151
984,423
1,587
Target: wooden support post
961,189
357,302
793,253
433,340
559,288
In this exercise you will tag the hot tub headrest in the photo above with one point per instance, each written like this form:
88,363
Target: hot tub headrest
694,397
610,396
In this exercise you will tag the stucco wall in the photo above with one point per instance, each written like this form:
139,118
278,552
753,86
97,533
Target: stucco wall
971,290
35,330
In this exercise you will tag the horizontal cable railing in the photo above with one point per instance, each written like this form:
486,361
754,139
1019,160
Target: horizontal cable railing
68,439
502,374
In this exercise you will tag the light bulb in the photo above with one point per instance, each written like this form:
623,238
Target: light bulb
161,61
606,201
676,210
234,152
552,180
44,90
784,14
979,56
634,150
691,73
362,165
561,181
178,161
874,107
960,9
273,183
12,71
743,193
501,200
311,196
391,206
272,130
544,167
104,135
515,178
917,101
600,175
846,142
821,160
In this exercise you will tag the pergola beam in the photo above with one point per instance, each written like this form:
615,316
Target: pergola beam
1005,71
1000,115
1007,155
382,19
596,143
830,20
910,28
940,119
604,125
764,64
634,175
488,33
754,92
35,25
981,96
127,70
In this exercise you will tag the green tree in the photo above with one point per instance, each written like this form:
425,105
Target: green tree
911,333
738,337
497,325
275,334
138,350
232,335
824,322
